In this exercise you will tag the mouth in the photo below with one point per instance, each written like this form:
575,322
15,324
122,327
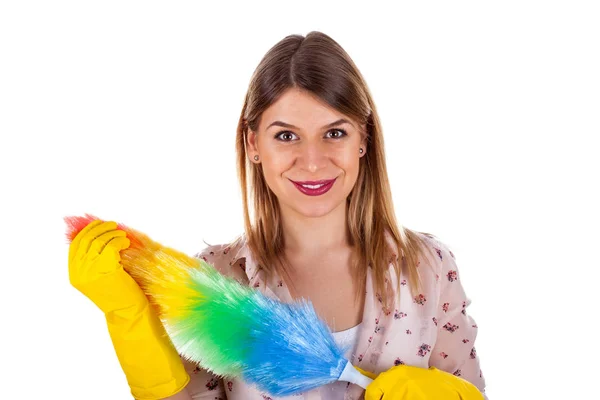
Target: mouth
314,188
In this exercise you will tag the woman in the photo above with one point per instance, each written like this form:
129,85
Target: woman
311,159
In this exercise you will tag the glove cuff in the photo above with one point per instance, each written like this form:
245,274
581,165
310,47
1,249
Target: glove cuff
151,364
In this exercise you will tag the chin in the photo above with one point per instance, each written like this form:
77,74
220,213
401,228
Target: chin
316,210
314,213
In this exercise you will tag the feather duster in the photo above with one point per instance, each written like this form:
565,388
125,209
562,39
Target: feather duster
230,329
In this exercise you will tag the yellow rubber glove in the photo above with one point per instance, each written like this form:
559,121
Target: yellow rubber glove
149,360
405,382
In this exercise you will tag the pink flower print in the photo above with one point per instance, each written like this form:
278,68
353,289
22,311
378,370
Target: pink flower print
420,299
370,339
360,357
465,340
386,343
280,283
451,254
230,385
398,315
398,361
464,305
403,283
437,277
265,397
204,258
408,332
458,372
212,253
434,320
450,327
378,297
212,384
473,354
377,329
445,307
226,250
376,321
423,350
197,369
439,252
443,355
452,275
256,284
474,326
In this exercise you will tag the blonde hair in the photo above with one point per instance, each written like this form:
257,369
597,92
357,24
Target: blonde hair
318,65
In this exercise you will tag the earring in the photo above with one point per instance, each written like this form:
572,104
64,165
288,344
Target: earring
360,150
256,157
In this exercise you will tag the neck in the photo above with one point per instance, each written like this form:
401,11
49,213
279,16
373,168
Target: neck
314,236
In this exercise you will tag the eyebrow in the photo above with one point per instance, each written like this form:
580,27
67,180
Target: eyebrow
286,125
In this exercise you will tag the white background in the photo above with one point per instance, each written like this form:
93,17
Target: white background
127,110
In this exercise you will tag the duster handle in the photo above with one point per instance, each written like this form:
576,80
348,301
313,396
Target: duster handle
352,375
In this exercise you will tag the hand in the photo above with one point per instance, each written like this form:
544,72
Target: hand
405,382
151,364
95,269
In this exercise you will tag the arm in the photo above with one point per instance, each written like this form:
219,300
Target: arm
147,357
454,350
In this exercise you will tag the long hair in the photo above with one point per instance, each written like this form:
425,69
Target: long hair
319,65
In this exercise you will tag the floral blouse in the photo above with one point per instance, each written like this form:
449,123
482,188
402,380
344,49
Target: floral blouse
431,329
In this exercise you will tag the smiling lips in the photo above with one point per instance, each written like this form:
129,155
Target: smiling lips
314,188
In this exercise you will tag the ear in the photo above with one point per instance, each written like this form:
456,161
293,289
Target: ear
364,138
251,142
363,145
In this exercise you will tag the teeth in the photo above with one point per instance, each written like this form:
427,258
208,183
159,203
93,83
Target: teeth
313,186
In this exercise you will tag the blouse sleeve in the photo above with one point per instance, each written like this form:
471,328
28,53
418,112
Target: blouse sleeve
454,351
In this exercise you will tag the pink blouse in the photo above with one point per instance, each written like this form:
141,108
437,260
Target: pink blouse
431,329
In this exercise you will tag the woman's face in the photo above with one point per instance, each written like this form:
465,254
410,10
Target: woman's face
300,139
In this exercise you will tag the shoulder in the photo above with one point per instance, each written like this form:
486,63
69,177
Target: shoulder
427,244
440,251
451,294
227,258
445,261
427,251
423,254
436,263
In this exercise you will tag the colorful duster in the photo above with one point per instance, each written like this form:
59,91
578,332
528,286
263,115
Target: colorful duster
230,329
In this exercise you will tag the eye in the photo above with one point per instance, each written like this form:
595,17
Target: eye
341,132
281,134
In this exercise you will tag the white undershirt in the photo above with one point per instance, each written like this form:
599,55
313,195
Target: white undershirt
335,390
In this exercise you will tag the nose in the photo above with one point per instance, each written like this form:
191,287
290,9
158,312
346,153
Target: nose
313,156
